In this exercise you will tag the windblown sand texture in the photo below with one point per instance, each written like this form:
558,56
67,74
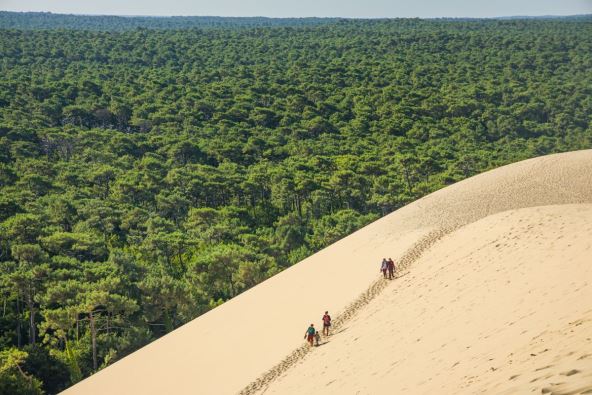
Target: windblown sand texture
494,297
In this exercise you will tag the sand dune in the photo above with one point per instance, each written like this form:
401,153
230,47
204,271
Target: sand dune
503,305
443,301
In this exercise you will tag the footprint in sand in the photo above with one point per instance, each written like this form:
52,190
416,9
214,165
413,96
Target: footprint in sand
570,372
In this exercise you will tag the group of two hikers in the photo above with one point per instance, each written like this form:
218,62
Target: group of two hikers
388,265
312,335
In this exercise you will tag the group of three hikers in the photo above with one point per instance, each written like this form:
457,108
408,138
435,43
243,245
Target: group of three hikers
312,335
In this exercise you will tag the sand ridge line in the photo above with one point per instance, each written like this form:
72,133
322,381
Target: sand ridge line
410,256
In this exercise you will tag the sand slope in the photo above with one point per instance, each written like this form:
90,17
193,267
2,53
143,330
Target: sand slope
503,305
224,350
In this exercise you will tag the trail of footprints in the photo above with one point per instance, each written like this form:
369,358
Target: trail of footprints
374,290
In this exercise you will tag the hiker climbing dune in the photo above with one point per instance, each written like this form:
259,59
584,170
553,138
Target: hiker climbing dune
384,267
391,268
326,323
317,338
309,335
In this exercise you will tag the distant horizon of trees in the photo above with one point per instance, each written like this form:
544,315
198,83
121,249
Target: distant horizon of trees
33,20
149,175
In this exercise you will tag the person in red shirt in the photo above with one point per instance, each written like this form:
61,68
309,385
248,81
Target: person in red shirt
391,269
326,323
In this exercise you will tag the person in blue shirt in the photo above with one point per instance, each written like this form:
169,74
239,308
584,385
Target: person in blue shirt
309,335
